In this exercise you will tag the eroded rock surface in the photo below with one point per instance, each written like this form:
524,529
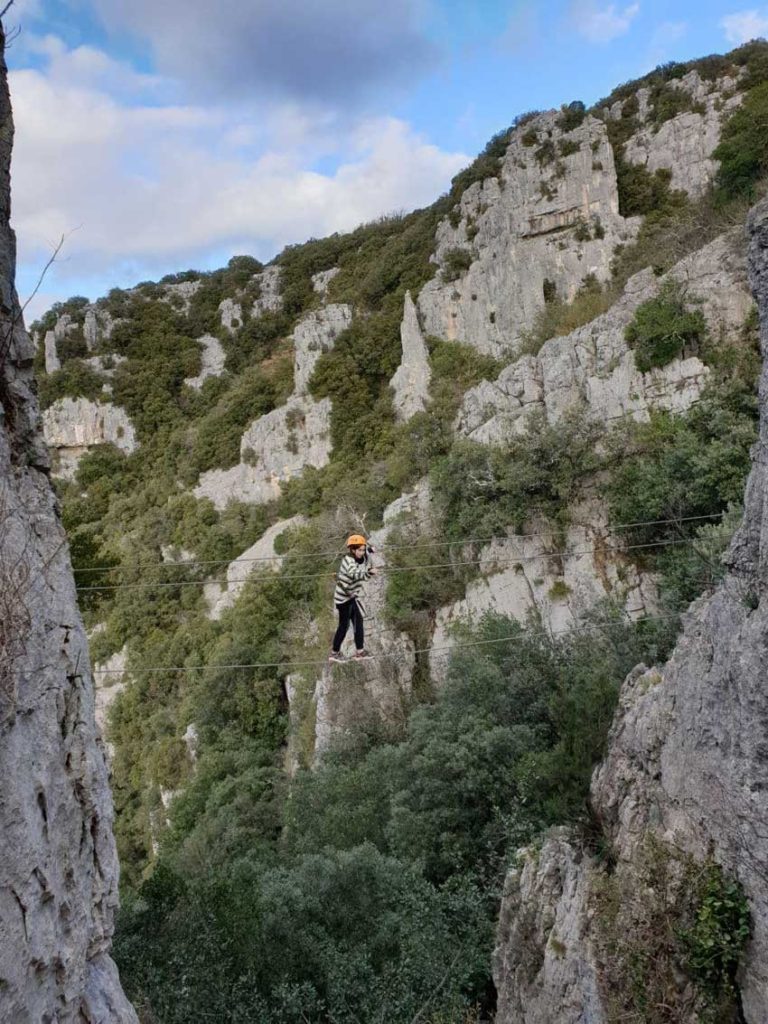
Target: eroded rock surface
260,557
75,425
686,759
275,448
554,221
212,359
314,334
58,866
594,369
411,380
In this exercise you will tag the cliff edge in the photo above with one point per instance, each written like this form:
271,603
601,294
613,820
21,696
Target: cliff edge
58,866
681,801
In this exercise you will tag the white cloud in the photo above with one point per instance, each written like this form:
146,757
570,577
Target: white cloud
742,26
153,186
602,24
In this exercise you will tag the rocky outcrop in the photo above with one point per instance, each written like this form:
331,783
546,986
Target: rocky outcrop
260,557
231,313
269,300
543,965
594,369
551,578
109,682
686,754
410,382
58,867
283,443
273,449
549,220
348,700
314,334
73,426
684,144
212,360
323,278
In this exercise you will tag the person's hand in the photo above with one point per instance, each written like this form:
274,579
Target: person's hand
371,571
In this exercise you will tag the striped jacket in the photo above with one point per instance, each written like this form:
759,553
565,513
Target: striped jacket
350,578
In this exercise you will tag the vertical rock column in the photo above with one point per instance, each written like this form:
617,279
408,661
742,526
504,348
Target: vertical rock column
58,866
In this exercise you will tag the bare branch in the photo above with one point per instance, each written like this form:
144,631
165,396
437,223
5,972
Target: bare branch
7,8
46,268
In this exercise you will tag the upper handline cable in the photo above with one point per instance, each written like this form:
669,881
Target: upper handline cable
384,569
191,562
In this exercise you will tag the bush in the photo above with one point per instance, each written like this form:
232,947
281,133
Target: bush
571,116
74,380
483,491
456,262
558,318
642,192
348,937
743,149
662,327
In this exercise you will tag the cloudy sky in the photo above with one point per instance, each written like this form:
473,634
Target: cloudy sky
158,135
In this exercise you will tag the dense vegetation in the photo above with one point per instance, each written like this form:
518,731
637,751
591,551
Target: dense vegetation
367,889
371,894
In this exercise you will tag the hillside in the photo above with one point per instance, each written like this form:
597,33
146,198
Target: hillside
537,397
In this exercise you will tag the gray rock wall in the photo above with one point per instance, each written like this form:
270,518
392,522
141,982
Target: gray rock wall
58,866
686,757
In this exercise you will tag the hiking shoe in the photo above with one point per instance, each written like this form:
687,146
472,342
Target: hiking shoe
361,656
336,656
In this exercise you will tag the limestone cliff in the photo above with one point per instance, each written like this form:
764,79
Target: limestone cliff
58,868
685,774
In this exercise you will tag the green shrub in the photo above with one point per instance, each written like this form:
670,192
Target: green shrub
670,934
481,491
667,101
546,153
662,327
642,192
529,138
74,380
456,262
567,147
571,116
715,940
743,149
558,318
348,937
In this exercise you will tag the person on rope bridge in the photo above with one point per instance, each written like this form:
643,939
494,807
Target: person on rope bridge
355,568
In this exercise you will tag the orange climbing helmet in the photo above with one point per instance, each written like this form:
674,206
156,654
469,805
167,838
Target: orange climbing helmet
356,541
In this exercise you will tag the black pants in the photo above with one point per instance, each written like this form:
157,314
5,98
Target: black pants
349,612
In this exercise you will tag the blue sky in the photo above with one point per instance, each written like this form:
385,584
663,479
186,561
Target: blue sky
156,135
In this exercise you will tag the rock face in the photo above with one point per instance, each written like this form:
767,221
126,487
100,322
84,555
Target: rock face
542,970
594,369
273,449
213,358
411,380
74,425
347,700
58,867
553,220
258,558
283,443
315,334
554,580
684,144
686,754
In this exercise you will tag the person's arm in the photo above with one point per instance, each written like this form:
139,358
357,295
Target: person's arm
357,570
